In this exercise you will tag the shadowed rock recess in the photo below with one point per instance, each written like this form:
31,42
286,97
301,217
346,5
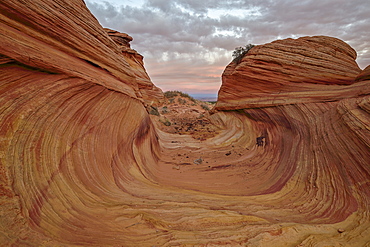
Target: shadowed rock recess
82,163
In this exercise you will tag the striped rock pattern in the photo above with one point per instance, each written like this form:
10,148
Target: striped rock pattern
151,94
289,71
82,163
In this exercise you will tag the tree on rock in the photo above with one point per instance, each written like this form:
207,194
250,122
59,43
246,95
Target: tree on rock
240,52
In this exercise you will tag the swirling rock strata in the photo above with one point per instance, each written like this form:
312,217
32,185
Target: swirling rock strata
289,71
364,75
82,163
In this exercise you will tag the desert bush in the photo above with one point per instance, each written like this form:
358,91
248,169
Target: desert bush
165,121
153,110
171,94
182,101
240,52
205,107
185,95
164,110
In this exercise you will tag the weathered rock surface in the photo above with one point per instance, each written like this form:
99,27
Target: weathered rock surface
151,94
364,75
82,163
289,71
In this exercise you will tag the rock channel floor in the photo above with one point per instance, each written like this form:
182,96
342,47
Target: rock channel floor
187,131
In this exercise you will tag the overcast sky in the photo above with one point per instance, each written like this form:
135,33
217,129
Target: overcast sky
186,44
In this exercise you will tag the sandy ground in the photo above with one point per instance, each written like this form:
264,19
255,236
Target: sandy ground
187,132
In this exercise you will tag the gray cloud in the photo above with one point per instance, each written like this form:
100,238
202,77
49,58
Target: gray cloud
188,35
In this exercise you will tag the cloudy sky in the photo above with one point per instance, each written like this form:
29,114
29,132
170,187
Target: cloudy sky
186,44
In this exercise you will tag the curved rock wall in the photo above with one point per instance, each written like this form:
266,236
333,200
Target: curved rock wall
82,164
313,124
71,115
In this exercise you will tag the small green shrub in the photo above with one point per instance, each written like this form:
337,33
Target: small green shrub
185,95
182,101
171,94
205,107
240,52
165,121
164,110
153,111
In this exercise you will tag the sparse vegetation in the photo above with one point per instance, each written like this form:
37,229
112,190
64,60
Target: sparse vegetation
240,52
165,121
181,101
205,107
164,110
153,111
172,94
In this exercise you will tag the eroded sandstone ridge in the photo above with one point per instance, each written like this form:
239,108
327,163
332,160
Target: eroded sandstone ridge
83,164
151,94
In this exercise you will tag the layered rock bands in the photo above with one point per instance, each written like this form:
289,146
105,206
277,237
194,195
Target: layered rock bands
83,164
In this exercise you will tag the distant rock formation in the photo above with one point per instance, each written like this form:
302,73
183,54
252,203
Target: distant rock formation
82,163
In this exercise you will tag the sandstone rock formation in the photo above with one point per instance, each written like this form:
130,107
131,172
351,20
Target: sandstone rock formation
364,75
151,94
82,163
289,71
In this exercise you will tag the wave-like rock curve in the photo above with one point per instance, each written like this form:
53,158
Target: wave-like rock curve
82,163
